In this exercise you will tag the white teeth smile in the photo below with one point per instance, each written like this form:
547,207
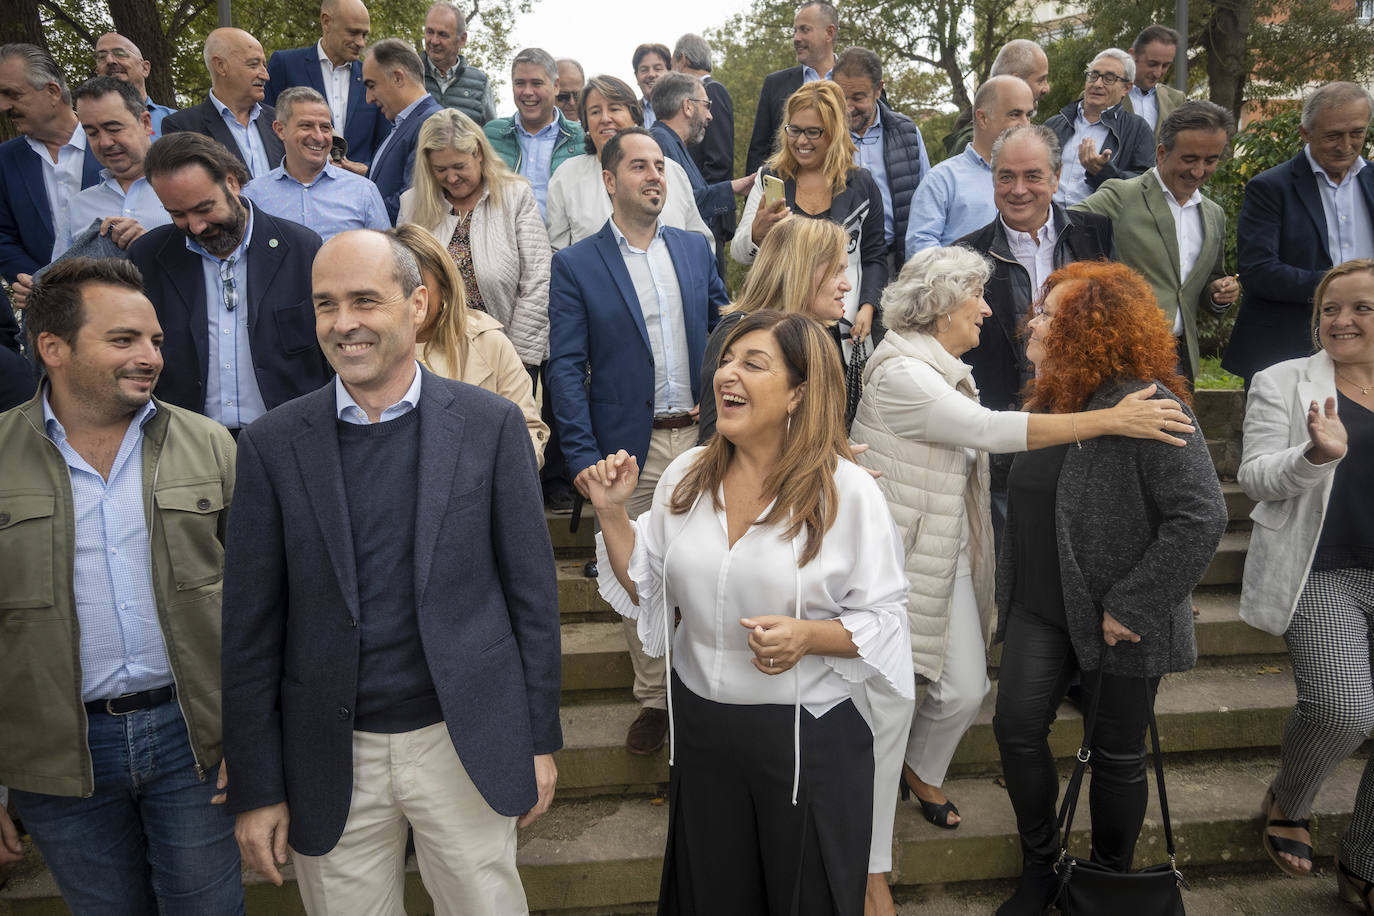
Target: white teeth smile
354,348
732,399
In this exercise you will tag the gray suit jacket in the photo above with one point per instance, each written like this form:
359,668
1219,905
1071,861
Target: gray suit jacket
1167,97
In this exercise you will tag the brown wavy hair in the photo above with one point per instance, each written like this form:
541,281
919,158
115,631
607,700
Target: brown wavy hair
802,483
1108,326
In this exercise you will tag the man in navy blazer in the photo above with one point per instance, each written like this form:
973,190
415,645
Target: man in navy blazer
44,118
629,312
1297,221
813,37
391,635
395,81
231,287
344,25
684,113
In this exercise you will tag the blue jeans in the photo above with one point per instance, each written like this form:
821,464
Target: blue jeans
148,840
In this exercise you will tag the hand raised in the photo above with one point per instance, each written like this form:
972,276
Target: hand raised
1327,433
611,481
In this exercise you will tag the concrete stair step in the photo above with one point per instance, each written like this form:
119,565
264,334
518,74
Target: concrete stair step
565,542
1229,561
1206,710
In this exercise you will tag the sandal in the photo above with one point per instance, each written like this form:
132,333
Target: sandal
936,814
1275,844
1354,889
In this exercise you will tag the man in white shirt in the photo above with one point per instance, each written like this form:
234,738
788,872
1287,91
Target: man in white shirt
1167,230
1153,51
632,306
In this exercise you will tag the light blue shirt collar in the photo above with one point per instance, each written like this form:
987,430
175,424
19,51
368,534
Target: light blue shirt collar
348,410
242,247
545,131
58,433
406,112
810,74
281,174
224,111
623,242
1350,173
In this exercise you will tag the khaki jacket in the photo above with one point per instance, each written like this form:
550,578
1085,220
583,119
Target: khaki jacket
188,482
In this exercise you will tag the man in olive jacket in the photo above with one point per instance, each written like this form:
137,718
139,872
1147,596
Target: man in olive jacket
112,519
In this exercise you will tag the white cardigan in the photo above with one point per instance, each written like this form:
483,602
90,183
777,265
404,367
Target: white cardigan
920,417
578,205
1291,490
511,257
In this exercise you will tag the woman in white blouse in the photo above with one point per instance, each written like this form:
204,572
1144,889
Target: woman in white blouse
578,205
929,438
791,601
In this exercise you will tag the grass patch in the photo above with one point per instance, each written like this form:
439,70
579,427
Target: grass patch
1211,375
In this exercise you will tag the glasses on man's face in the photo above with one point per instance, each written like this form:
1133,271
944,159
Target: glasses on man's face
564,98
706,102
810,133
116,53
1108,79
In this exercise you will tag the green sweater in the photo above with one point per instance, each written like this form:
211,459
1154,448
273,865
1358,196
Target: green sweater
501,133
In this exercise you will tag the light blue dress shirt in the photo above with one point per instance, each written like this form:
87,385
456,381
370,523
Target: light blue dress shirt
1146,104
868,153
248,139
395,126
108,199
952,201
648,110
536,158
1073,178
122,650
232,397
336,201
660,300
348,411
1349,233
811,75
157,113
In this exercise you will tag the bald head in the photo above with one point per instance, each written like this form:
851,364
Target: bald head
1025,59
119,57
1000,103
238,68
344,26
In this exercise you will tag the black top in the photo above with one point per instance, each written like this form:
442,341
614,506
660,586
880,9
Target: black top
380,467
1032,487
1347,538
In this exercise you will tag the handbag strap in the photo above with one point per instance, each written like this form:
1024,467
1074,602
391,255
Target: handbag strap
1070,803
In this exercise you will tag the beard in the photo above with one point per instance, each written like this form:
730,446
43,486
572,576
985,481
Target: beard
224,237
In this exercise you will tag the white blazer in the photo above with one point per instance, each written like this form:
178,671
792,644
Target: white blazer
1292,492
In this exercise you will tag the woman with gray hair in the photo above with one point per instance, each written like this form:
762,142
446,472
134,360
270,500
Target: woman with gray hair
930,438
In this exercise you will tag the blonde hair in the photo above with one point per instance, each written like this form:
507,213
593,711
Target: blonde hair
449,129
1359,265
783,275
446,322
827,99
801,485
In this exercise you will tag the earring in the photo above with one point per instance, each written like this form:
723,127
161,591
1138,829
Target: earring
788,433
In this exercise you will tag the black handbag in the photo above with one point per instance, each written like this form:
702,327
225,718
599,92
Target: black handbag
1089,889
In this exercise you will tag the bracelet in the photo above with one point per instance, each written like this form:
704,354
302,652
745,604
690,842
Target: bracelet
1073,422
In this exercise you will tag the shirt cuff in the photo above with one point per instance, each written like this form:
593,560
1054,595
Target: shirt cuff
648,613
884,644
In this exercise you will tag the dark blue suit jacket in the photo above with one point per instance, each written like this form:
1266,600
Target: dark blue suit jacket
1281,253
486,603
777,86
364,126
205,119
26,228
281,316
712,199
392,171
597,336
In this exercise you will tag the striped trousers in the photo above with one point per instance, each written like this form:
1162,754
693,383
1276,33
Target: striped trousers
1329,641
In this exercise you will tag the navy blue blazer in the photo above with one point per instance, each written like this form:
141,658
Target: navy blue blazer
777,87
393,169
713,199
1281,253
205,119
601,368
364,126
486,602
26,228
281,316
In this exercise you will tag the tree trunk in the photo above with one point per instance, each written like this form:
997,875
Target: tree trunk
21,24
140,22
1228,63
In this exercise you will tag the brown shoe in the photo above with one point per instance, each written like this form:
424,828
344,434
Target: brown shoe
647,732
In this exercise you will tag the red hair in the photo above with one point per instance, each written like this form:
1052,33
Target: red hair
1108,325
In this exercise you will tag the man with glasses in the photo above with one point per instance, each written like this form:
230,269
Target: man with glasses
715,154
231,286
684,111
119,57
571,79
1100,139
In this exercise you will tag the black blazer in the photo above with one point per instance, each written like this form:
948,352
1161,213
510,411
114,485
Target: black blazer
486,601
204,119
281,317
777,86
715,154
1281,253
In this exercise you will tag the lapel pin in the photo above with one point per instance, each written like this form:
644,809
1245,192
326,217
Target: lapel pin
271,243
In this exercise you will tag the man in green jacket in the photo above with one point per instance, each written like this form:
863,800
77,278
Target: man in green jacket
112,517
537,139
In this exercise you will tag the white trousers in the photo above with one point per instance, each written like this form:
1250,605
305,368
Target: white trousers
466,851
951,703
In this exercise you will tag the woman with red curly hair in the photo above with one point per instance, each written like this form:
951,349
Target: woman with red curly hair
1135,523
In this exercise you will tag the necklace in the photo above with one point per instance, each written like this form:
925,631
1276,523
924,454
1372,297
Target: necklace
1364,389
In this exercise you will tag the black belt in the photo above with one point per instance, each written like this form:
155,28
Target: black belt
674,421
130,702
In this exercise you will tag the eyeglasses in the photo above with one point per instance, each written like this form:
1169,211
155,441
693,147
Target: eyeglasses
706,102
564,98
230,287
1108,79
810,133
117,53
